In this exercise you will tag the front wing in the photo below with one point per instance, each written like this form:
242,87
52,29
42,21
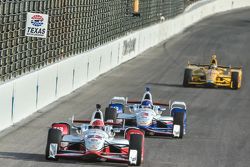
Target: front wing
114,157
220,82
154,130
123,157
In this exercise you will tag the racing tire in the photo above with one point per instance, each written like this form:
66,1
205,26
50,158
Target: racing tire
54,136
110,114
187,77
235,80
136,143
179,120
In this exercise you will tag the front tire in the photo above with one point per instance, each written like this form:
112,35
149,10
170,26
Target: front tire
54,136
187,77
179,120
136,143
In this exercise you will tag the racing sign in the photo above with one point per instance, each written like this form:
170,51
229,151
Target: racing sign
36,25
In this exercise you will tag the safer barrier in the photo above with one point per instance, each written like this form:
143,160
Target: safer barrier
25,95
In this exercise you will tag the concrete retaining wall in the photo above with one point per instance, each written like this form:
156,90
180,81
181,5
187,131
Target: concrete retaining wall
25,95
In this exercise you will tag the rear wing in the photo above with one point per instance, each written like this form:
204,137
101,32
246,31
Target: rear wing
88,122
154,103
219,66
133,102
119,99
126,116
81,121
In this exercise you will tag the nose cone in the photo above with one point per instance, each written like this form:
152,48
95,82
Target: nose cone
144,118
211,77
94,143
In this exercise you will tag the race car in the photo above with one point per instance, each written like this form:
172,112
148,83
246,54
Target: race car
147,115
94,140
212,75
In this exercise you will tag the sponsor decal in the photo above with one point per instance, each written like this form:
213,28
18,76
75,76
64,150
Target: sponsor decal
36,25
128,46
59,128
145,115
37,20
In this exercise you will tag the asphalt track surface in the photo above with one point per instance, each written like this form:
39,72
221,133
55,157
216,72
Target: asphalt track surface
218,119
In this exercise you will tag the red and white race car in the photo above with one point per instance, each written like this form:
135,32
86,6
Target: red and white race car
94,140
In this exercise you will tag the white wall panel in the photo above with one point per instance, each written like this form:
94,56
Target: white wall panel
166,28
155,35
94,64
25,96
46,86
147,38
105,58
120,50
143,40
65,77
135,52
114,54
80,66
140,42
6,105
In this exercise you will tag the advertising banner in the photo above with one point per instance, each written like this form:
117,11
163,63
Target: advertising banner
36,25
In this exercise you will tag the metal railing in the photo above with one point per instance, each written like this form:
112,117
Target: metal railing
75,26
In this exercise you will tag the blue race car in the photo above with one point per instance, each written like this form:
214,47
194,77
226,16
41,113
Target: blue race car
148,115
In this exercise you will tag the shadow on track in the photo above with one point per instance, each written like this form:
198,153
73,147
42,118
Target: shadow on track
161,137
165,84
41,158
22,156
190,87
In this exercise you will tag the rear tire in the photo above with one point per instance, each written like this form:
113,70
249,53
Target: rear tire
235,80
136,143
54,136
187,77
110,114
179,120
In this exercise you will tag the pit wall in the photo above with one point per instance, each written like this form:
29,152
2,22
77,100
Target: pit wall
23,96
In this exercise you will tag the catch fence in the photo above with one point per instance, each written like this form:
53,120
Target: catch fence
75,26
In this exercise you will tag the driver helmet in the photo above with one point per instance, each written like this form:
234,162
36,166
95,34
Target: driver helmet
213,56
146,104
97,124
